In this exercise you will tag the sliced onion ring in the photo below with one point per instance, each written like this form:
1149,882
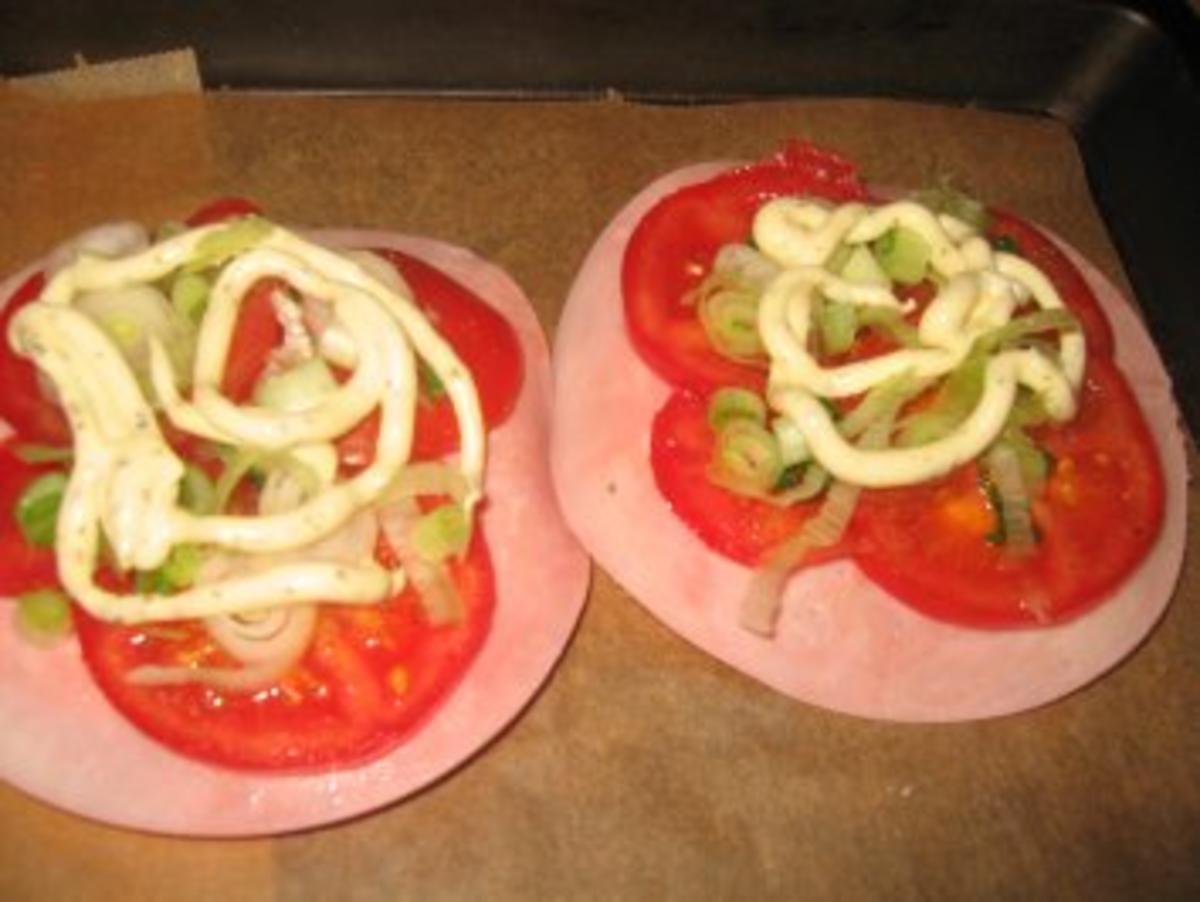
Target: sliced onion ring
268,643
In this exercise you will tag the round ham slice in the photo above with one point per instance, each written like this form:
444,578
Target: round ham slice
65,745
842,642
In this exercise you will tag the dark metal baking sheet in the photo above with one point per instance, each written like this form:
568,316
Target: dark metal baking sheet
1117,74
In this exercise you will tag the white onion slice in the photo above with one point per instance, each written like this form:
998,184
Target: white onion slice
438,595
268,643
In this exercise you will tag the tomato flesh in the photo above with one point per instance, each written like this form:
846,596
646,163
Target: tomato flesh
255,335
1098,516
22,403
673,247
483,341
371,675
744,529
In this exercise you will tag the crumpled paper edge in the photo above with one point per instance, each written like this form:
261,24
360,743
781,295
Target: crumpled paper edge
169,72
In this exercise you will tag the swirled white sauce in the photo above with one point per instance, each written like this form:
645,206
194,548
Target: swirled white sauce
125,483
980,290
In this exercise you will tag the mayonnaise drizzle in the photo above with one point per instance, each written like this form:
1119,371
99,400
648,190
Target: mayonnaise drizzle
125,481
981,290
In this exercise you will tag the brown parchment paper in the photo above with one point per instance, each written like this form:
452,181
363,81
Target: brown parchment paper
645,769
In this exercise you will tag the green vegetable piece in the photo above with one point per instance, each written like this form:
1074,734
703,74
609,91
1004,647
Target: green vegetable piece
37,508
169,229
862,268
239,465
1023,328
793,446
442,532
791,476
43,454
955,400
431,385
189,295
747,458
881,403
943,197
730,403
217,247
730,320
837,324
1006,244
799,482
999,534
177,572
890,322
903,254
180,568
43,615
197,492
297,388
837,260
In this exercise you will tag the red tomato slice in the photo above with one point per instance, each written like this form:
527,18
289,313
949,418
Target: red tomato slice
371,676
25,567
1038,249
1099,514
741,528
256,334
483,340
222,210
672,250
22,403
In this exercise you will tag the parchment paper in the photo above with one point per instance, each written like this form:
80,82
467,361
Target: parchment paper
645,769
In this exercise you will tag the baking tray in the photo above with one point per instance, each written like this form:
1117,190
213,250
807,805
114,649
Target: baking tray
1119,79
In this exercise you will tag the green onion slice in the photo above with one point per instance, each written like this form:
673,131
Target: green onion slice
443,532
36,510
43,454
903,254
747,455
43,616
837,324
730,320
217,247
732,403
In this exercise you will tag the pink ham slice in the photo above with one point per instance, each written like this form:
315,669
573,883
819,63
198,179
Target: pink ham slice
842,643
65,745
